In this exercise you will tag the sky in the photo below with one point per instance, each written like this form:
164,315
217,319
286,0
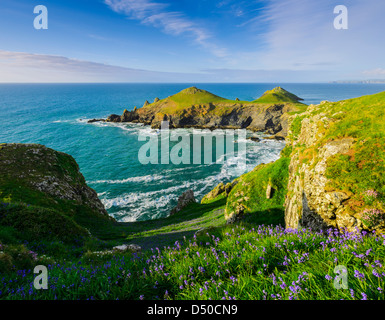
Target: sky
191,41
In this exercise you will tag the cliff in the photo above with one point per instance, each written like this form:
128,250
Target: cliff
198,108
330,173
44,196
337,164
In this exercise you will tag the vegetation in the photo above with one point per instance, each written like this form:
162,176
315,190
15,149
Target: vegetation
48,198
250,192
195,254
233,262
193,96
278,95
361,168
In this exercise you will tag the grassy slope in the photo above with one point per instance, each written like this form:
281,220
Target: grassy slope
164,231
33,214
278,95
251,192
242,261
361,169
196,97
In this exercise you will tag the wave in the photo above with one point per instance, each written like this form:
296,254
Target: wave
62,121
148,178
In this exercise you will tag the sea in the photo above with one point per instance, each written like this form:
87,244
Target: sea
56,115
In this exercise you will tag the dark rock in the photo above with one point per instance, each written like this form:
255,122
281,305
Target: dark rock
276,137
185,199
129,116
114,118
311,219
256,139
95,120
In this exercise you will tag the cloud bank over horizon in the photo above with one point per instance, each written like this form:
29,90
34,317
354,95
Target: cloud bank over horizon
216,41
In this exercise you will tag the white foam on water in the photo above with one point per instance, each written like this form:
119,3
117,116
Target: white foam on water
148,178
133,206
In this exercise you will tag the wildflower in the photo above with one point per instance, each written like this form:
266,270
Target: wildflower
371,193
375,273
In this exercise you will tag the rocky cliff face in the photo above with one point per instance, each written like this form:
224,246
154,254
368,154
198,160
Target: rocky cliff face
37,181
193,107
330,174
334,172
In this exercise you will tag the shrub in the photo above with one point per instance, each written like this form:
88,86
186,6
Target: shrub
372,217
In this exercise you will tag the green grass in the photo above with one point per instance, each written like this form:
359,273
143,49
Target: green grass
243,262
194,97
163,231
278,95
361,168
251,191
34,214
195,255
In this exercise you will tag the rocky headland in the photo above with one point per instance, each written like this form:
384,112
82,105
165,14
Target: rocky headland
198,108
329,174
43,194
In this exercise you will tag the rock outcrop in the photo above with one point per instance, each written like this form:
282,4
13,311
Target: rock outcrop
184,200
221,188
197,108
47,182
335,163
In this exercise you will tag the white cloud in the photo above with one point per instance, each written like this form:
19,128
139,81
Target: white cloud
300,35
29,67
35,68
375,72
170,22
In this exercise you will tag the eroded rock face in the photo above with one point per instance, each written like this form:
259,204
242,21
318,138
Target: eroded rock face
185,199
271,118
218,190
309,203
56,175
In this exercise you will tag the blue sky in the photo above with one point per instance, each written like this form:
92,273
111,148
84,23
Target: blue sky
191,41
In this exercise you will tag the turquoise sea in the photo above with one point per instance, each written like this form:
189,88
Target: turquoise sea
56,115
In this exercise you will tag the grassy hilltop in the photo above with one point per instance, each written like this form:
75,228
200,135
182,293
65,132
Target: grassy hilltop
329,174
193,97
193,107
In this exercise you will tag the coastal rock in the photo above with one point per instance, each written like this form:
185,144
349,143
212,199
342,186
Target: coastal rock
198,108
269,191
146,103
127,247
276,137
218,190
255,139
185,199
309,202
114,118
50,184
95,120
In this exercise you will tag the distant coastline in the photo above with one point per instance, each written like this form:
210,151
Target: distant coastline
372,81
